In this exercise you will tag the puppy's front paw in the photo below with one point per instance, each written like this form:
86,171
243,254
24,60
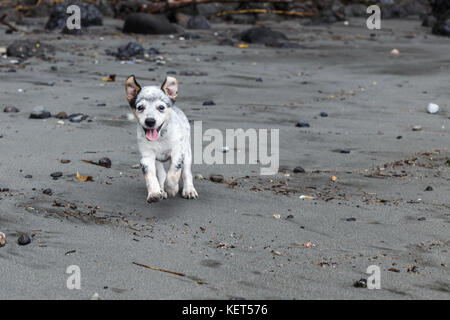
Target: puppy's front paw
155,196
189,193
172,192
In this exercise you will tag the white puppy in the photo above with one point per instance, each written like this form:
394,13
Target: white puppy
163,133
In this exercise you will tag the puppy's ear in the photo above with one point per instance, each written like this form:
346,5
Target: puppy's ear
132,89
170,87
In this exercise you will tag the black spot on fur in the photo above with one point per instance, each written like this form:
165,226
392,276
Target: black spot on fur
144,168
180,163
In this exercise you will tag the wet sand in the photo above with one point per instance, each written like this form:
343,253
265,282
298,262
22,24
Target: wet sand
229,243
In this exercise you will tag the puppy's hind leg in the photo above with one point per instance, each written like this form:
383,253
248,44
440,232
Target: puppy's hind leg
189,191
161,175
173,175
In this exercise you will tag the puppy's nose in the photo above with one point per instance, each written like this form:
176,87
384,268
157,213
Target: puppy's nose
150,122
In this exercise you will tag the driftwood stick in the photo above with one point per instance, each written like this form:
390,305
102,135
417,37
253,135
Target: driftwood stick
6,23
158,269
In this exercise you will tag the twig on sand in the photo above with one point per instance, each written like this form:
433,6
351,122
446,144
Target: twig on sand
91,162
6,23
158,269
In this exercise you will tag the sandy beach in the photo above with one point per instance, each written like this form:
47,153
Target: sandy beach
251,236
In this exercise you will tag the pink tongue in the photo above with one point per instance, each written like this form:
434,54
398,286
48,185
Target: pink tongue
152,134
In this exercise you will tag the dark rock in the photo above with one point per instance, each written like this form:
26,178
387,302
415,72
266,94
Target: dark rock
361,283
130,50
4,189
429,188
28,176
290,216
323,114
57,174
148,24
393,11
302,124
77,117
262,35
40,113
25,49
344,151
23,240
90,16
299,170
422,219
11,109
442,26
152,51
259,80
198,22
62,115
105,162
429,21
350,219
226,42
209,103
216,178
47,192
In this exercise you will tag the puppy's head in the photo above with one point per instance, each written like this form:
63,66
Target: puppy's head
151,104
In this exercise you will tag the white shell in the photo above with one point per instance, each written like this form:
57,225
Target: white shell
433,108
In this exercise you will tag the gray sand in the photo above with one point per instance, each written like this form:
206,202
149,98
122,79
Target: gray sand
228,243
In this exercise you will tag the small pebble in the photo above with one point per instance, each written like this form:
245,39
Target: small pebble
2,239
429,188
209,103
344,151
432,108
302,124
57,174
47,192
350,219
399,137
77,117
422,219
40,112
361,283
298,170
198,176
28,176
10,109
65,161
105,162
62,115
417,128
23,240
216,178
323,114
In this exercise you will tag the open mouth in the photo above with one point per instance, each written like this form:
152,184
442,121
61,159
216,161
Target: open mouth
153,133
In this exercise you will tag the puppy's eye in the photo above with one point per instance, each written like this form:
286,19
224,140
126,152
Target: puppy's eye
161,108
140,108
